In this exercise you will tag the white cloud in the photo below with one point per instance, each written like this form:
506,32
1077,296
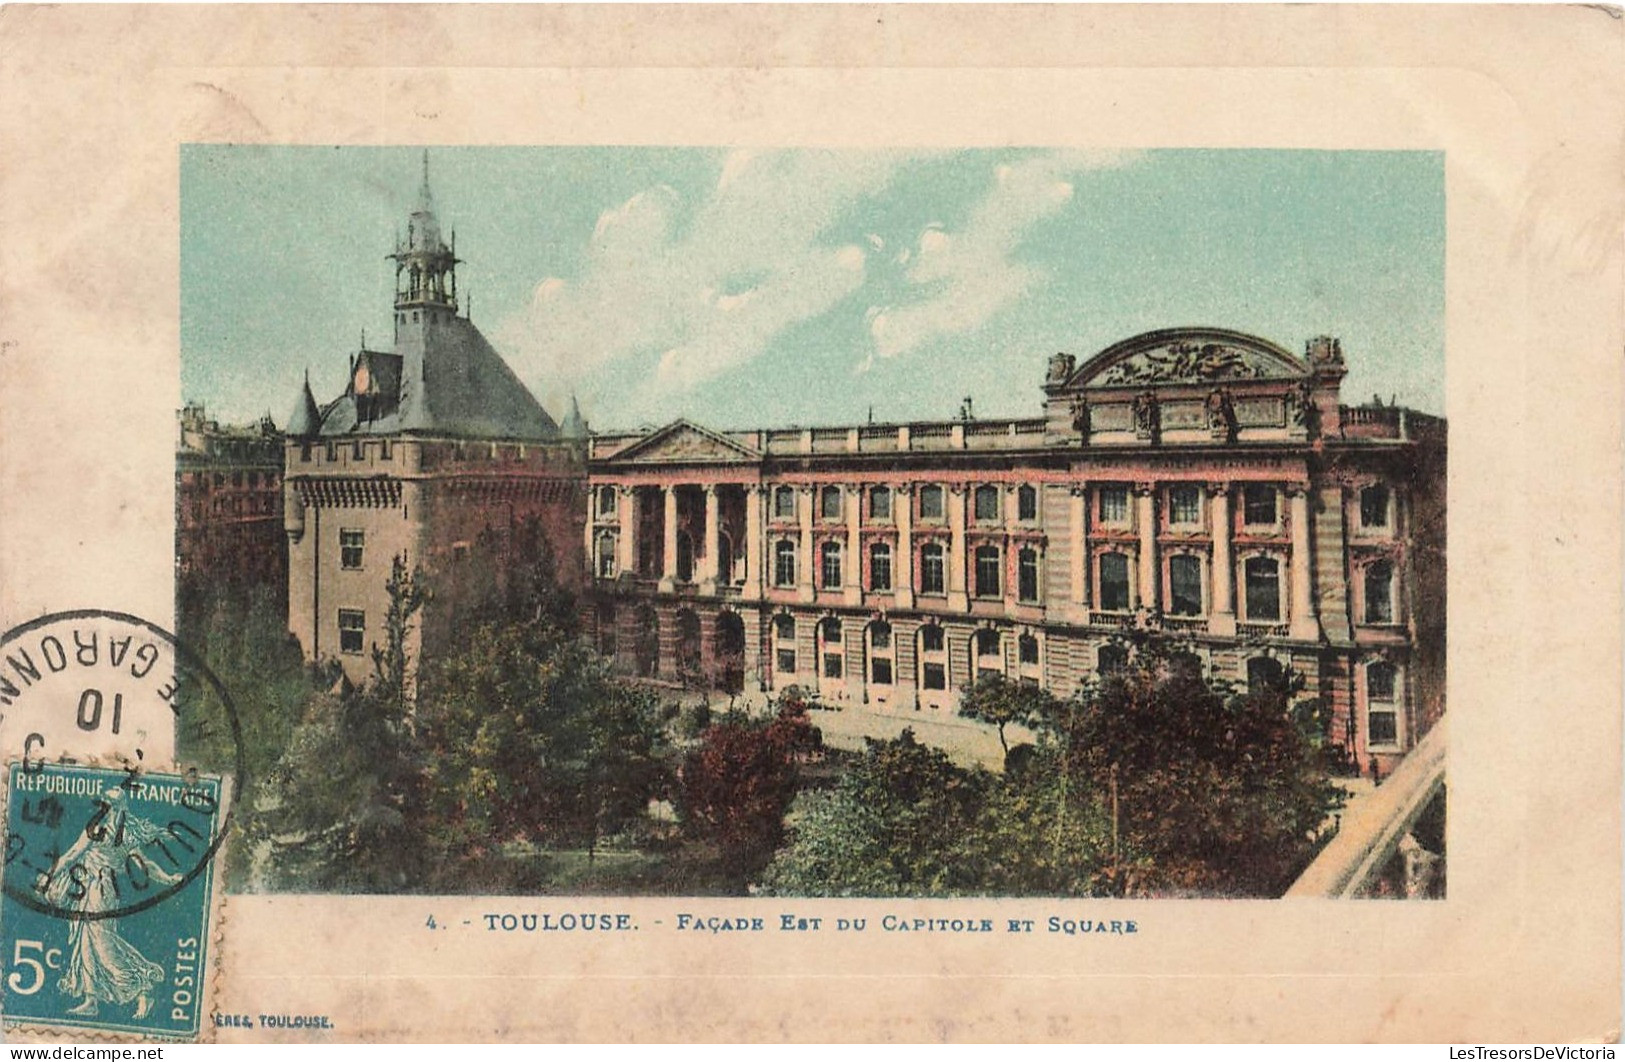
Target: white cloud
957,280
705,285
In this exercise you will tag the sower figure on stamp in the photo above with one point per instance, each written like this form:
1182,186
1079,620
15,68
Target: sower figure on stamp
102,965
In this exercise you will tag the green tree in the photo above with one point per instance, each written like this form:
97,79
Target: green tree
346,810
997,700
890,827
529,737
1217,793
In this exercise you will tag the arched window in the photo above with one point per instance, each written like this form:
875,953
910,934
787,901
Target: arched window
730,652
880,503
688,645
1184,585
1382,715
932,569
1026,503
1374,503
784,563
1265,673
880,566
1263,590
1113,582
931,502
606,556
829,565
1027,657
1027,574
989,653
933,659
882,656
1111,659
987,571
784,503
987,502
829,648
829,503
784,644
1379,592
646,651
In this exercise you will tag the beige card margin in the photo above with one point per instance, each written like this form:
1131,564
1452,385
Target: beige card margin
1525,102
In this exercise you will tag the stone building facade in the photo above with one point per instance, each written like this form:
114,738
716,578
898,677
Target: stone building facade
435,452
228,505
1201,483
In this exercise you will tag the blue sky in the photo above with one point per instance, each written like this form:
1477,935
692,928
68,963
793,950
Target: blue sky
776,287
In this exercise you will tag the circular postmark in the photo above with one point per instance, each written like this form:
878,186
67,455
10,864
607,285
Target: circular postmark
94,708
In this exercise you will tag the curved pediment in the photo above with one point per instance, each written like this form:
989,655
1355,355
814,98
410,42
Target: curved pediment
1186,356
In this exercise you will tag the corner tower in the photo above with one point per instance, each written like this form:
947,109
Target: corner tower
435,451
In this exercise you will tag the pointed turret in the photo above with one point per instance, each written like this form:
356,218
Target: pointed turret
306,419
574,426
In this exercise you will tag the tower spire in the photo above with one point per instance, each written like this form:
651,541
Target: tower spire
425,268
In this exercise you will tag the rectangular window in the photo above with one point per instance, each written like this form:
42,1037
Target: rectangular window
1382,727
1374,507
930,503
931,639
785,661
1027,504
1184,505
1184,585
1114,582
880,671
880,504
350,548
352,630
1028,648
830,503
931,573
987,571
880,568
1258,506
784,564
879,636
935,676
987,503
832,665
1114,505
385,450
784,504
1027,575
1263,590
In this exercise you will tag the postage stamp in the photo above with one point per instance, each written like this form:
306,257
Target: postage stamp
109,879
111,872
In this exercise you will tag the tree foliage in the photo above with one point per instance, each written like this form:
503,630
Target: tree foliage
1220,793
997,700
738,782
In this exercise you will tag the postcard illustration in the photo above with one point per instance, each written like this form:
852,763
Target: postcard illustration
821,523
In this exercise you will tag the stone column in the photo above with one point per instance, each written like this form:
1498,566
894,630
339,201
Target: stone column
1146,518
852,581
957,596
1222,619
1078,542
708,559
627,503
806,497
592,531
753,542
902,568
1303,624
668,562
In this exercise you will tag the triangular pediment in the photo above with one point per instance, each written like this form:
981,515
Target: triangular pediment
1187,356
684,442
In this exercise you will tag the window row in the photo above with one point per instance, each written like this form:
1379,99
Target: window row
987,650
987,569
987,503
1260,506
1261,597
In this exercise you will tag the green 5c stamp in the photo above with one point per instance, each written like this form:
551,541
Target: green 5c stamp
108,890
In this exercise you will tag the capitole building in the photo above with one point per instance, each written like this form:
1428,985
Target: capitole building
1197,482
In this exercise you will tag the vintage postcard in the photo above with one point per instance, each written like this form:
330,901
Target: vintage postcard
897,523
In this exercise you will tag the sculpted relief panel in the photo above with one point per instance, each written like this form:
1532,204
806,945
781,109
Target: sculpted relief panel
1190,363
